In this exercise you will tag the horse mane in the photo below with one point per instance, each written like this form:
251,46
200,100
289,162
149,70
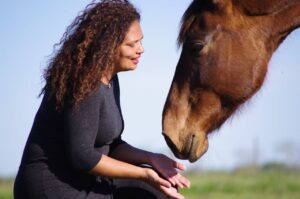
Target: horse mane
262,7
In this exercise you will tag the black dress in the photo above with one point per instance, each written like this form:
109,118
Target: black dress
63,146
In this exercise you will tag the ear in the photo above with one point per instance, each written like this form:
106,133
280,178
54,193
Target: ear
224,6
219,2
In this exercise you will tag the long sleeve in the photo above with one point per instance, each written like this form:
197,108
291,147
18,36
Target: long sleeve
80,131
116,142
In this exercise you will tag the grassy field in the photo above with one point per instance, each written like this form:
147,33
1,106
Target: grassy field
6,186
244,184
239,184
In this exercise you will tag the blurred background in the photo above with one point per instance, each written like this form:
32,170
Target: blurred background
264,134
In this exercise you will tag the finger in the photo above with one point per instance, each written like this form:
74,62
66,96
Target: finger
172,192
178,182
172,181
169,177
185,182
164,182
181,181
180,166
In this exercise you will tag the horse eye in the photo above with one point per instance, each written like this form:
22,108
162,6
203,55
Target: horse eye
197,46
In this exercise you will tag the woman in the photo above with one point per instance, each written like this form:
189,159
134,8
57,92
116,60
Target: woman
75,149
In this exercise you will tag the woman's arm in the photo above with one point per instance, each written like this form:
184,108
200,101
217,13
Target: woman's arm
161,163
113,168
127,153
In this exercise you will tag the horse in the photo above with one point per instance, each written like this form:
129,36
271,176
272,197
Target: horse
226,48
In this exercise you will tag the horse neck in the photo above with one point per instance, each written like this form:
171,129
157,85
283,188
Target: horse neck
285,21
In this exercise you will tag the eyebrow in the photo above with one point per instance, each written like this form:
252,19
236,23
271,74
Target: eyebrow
135,41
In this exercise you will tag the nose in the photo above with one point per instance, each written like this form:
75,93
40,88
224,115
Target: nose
140,49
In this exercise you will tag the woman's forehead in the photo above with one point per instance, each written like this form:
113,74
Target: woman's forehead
134,32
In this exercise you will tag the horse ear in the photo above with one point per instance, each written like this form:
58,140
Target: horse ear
223,5
212,3
219,2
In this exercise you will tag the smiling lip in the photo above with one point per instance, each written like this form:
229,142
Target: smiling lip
135,60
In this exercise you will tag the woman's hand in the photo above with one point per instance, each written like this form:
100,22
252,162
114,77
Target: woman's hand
166,167
161,184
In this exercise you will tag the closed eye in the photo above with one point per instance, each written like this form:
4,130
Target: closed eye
132,44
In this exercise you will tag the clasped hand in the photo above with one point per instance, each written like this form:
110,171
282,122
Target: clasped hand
167,178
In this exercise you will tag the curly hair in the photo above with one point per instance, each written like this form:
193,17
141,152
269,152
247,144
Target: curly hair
87,49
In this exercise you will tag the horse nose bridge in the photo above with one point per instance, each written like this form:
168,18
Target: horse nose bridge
178,98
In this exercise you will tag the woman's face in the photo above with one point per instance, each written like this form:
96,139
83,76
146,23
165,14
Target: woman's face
130,50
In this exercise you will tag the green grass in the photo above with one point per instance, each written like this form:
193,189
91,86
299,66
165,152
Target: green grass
6,188
240,184
244,185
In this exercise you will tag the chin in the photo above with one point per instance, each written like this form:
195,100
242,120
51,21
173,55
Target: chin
132,67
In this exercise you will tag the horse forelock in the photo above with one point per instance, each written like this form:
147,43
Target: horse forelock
186,22
190,16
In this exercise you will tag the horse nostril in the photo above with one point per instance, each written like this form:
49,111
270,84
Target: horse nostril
191,144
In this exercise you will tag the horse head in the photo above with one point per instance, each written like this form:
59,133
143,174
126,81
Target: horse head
226,48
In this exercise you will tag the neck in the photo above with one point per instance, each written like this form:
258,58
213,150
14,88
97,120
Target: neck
287,20
264,7
107,76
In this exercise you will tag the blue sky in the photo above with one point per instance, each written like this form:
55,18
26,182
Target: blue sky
29,29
